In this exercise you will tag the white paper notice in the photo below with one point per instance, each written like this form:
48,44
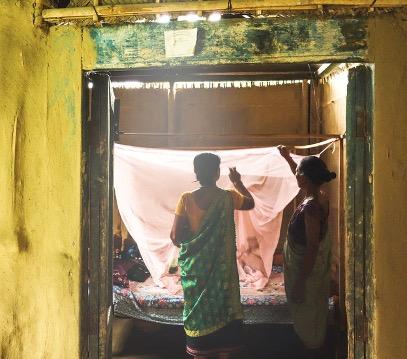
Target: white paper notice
180,43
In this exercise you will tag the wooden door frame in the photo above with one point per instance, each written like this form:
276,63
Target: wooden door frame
97,229
359,211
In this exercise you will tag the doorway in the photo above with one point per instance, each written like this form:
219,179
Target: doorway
352,159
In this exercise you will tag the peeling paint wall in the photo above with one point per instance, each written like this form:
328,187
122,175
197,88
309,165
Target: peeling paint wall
229,41
40,170
40,193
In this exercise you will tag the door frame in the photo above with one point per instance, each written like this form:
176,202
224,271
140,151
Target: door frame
97,146
359,211
97,216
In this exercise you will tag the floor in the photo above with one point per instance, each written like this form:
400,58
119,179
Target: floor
262,342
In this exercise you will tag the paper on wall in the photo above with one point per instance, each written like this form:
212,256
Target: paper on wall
180,43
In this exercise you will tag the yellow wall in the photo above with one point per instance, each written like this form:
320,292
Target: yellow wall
388,51
40,138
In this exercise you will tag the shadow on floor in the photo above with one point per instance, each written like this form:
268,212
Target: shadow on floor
262,342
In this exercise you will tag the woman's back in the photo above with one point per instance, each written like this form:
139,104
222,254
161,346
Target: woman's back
195,204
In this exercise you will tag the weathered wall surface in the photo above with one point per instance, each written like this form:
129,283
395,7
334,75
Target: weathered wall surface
389,54
333,120
229,41
40,170
281,109
143,110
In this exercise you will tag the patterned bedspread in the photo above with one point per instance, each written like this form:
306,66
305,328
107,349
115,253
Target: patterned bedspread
147,301
148,294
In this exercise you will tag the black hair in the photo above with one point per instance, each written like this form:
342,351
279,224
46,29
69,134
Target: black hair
315,169
206,166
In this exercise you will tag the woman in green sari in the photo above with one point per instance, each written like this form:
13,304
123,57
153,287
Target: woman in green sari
204,228
307,255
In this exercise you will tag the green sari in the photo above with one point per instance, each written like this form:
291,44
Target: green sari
209,274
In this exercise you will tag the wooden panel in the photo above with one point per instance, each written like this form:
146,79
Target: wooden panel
85,227
281,109
274,109
359,211
100,219
370,295
230,42
143,110
350,215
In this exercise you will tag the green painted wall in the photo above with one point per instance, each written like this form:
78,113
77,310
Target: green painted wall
229,41
40,193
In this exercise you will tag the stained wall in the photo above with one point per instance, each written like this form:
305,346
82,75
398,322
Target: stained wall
386,50
40,164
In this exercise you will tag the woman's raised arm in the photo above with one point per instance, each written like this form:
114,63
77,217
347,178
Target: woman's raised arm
285,153
235,178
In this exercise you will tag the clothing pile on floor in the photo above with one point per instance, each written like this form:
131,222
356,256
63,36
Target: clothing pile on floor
128,265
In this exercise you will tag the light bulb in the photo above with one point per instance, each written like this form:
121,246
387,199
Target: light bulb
215,16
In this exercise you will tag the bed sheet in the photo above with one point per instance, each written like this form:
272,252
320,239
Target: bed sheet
148,294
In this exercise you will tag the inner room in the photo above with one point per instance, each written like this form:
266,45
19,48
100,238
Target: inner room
245,111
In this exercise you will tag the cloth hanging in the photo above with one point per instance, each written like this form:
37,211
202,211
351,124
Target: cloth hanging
148,183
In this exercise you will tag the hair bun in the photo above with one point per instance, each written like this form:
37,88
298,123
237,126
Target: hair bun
331,176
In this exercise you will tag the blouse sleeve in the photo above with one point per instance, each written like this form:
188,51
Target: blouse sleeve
312,208
180,210
237,199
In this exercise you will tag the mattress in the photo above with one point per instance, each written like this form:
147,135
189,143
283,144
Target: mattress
147,301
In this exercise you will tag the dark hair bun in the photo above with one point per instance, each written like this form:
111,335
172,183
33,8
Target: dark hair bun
331,176
315,169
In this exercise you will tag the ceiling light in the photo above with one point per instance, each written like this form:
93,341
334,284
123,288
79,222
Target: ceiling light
163,18
190,17
215,16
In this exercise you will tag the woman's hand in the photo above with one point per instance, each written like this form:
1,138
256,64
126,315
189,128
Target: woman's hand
234,176
284,151
298,292
248,201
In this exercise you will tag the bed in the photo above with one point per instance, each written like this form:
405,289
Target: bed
147,301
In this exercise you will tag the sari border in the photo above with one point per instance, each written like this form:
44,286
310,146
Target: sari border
200,333
234,349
